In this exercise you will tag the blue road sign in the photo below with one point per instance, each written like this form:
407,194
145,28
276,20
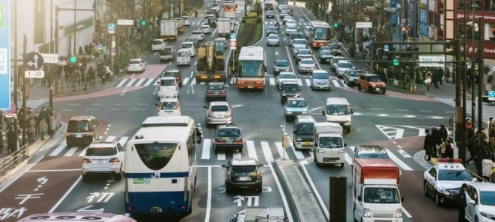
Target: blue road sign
99,46
34,61
386,48
5,74
491,94
111,27
233,35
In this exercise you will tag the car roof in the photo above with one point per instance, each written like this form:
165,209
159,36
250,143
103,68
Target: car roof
192,43
273,35
281,60
173,70
482,186
219,103
167,77
244,162
102,144
320,71
290,73
307,59
135,60
305,119
370,148
159,40
169,100
79,118
296,98
449,166
228,126
337,100
290,81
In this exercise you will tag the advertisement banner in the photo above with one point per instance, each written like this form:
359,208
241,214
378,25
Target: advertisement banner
5,72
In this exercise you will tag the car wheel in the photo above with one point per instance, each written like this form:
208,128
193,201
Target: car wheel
437,199
118,176
425,189
215,148
370,90
259,189
384,91
359,87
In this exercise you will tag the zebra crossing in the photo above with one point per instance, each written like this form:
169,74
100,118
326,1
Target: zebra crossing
263,151
487,108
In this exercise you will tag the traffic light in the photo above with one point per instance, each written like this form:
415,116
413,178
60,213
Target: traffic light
335,25
395,62
143,23
73,59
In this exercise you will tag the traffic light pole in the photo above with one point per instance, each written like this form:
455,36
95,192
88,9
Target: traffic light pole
481,71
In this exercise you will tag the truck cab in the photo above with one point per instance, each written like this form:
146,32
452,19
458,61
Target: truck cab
329,146
338,110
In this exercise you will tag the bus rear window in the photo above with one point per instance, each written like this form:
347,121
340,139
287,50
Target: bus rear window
156,155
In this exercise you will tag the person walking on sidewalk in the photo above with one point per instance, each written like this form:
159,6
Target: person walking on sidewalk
43,129
31,129
488,167
11,140
447,75
51,126
428,145
437,140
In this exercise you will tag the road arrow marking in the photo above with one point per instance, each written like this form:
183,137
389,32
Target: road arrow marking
87,209
42,180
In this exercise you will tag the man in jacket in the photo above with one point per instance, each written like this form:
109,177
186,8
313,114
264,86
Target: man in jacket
428,145
11,140
461,203
436,140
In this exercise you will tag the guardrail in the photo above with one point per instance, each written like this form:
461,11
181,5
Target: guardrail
409,86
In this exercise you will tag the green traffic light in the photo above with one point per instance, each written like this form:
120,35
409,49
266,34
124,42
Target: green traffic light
143,23
395,62
335,25
72,59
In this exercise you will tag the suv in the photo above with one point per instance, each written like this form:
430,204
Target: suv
215,90
103,158
228,137
295,106
174,73
371,83
370,152
243,174
82,130
218,113
288,89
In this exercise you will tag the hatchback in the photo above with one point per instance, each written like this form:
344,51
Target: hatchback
295,106
103,158
216,90
304,54
320,80
243,174
271,30
157,44
273,40
136,65
190,47
218,113
228,137
325,56
205,29
198,34
82,130
169,107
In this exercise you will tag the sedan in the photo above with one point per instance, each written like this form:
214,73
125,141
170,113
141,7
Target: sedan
307,31
198,34
169,107
287,18
351,77
291,22
295,50
218,113
205,29
285,76
298,41
193,39
228,137
306,65
325,56
269,14
304,54
271,30
480,200
216,90
136,65
290,29
273,40
280,65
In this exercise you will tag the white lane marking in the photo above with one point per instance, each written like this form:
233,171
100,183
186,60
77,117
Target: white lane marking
121,83
57,170
299,82
192,73
299,154
193,82
110,139
221,156
348,159
251,149
267,152
65,195
83,153
130,82
404,154
202,83
308,82
58,149
96,104
205,154
272,81
315,191
208,197
405,212
237,155
399,162
281,150
284,200
185,80
335,83
140,82
71,151
66,110
123,140
149,82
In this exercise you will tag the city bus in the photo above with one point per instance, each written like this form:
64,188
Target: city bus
319,34
251,68
160,166
229,8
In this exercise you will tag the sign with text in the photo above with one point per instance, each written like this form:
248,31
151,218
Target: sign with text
364,25
50,58
5,75
35,74
431,61
125,22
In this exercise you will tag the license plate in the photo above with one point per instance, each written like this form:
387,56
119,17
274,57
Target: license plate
244,178
330,159
78,135
377,89
250,87
306,143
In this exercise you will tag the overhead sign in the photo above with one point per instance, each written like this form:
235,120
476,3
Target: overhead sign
111,28
5,74
34,74
361,25
386,48
125,22
34,61
50,58
431,61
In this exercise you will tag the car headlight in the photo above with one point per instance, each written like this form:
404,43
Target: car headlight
298,139
366,212
320,150
398,213
288,112
444,192
347,123
276,70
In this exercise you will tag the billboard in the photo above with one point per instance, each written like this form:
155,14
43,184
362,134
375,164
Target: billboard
5,73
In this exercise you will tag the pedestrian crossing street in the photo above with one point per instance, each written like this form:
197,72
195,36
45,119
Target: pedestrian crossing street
305,82
263,151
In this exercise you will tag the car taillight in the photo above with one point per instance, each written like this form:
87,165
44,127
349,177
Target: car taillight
258,175
209,92
86,161
219,140
238,140
114,160
223,92
229,175
88,134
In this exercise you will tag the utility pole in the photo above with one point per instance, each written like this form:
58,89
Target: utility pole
75,28
481,71
24,92
16,74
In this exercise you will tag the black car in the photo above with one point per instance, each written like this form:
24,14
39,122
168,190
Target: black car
243,174
216,91
176,73
228,137
280,65
271,30
82,130
288,89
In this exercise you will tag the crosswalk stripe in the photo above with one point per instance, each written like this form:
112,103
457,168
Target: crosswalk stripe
267,152
130,82
299,82
336,83
149,82
251,149
399,162
202,83
281,150
110,139
348,158
185,80
123,140
58,149
205,154
299,154
272,81
140,82
193,82
221,155
121,83
83,153
232,81
308,82
71,151
237,155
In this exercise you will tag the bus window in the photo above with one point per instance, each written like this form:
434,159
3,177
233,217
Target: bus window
156,155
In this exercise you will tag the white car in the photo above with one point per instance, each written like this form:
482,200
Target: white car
157,45
291,23
198,34
480,200
298,41
168,87
285,76
296,48
306,65
190,46
169,107
205,29
136,65
103,158
290,29
187,20
343,66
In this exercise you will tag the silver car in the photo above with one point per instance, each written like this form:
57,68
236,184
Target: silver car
306,65
351,76
320,80
218,113
285,76
198,34
290,29
273,40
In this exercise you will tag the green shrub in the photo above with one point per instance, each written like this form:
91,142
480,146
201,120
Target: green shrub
243,20
258,32
259,20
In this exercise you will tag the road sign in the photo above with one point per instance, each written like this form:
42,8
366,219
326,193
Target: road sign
233,35
99,46
50,58
34,74
5,75
125,22
233,44
386,48
361,25
34,61
111,28
431,61
491,95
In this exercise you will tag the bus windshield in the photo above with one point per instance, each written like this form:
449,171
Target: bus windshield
321,33
251,68
305,129
156,155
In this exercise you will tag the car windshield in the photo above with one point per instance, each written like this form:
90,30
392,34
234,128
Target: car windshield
305,129
304,52
134,62
286,76
168,106
326,52
295,35
219,108
299,41
170,73
157,42
191,39
374,79
183,54
345,65
216,87
352,73
187,45
335,60
320,75
381,195
228,132
243,169
487,198
373,155
282,63
291,88
273,37
453,175
307,62
156,155
338,110
103,151
297,103
330,142
167,82
78,126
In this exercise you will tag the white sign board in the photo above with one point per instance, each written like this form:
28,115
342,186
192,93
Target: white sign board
361,25
35,74
50,58
125,22
432,61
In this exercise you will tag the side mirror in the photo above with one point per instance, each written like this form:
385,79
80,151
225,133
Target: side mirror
323,112
316,144
402,199
360,198
158,82
352,111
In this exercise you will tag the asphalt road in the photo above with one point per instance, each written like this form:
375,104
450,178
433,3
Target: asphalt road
393,120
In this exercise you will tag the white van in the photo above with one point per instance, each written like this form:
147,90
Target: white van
168,87
187,20
190,47
157,45
184,57
329,146
338,110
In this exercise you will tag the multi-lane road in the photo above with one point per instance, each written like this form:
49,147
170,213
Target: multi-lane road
52,182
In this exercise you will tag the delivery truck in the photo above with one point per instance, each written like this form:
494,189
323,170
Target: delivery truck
168,30
224,27
375,190
329,146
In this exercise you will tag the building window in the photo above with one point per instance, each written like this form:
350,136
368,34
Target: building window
489,5
490,32
470,4
461,32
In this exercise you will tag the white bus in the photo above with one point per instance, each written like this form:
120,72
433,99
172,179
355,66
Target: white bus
160,166
251,68
320,34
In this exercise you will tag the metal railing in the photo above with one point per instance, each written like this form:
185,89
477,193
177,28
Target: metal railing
409,86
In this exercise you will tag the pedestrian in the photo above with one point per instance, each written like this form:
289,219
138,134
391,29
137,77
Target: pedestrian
437,140
31,129
43,129
447,75
440,75
461,203
11,140
443,133
52,126
428,145
469,125
449,151
196,13
488,167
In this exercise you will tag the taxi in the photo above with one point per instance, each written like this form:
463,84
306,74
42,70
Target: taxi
295,106
443,180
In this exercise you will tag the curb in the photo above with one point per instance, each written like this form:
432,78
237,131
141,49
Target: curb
419,158
283,184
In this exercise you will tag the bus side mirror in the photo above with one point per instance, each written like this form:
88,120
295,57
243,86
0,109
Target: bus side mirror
323,112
